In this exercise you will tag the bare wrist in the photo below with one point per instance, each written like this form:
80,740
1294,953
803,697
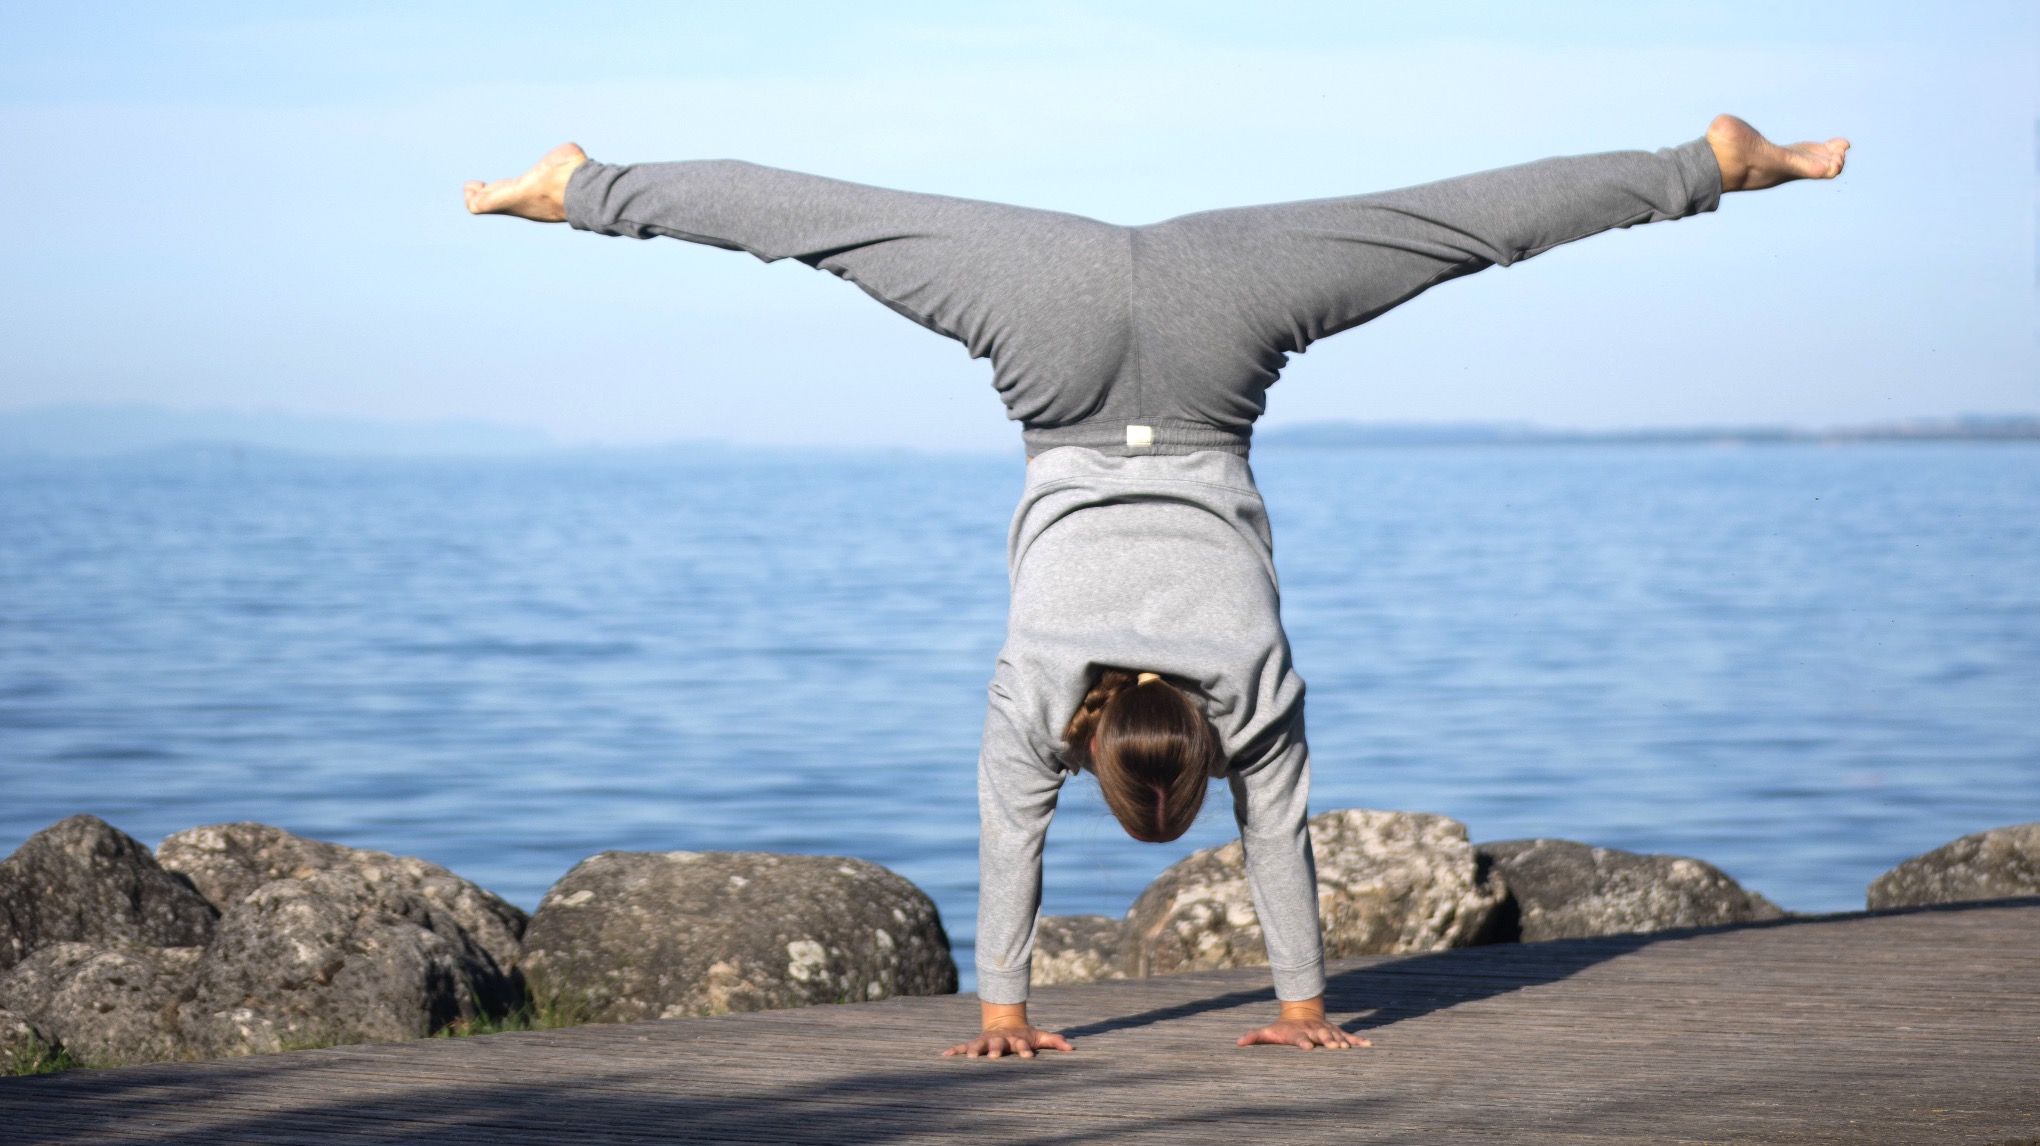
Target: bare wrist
1003,1016
1306,1009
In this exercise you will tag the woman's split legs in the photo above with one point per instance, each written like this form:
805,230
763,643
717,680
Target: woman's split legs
1748,162
1184,322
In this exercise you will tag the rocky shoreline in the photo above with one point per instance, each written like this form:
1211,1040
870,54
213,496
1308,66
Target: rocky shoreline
237,939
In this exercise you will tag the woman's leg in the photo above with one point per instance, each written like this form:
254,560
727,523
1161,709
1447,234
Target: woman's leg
1041,293
1226,295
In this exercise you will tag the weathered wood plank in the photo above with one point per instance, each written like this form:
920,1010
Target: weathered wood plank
1903,1027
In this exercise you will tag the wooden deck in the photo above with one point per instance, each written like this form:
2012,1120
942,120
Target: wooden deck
1910,1027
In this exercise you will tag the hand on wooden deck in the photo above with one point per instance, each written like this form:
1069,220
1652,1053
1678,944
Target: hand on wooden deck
1303,1025
1007,1031
1021,1039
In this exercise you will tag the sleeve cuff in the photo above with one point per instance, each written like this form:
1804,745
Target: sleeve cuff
1004,987
1702,175
1295,984
584,194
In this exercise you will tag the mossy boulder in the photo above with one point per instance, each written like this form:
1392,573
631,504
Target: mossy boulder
2002,863
1388,883
1562,889
82,880
647,935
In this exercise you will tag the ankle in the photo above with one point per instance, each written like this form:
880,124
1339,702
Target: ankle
1731,151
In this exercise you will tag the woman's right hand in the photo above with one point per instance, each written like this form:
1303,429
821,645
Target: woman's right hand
1007,1031
1023,1040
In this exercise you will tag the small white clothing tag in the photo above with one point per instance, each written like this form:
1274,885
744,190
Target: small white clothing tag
1140,435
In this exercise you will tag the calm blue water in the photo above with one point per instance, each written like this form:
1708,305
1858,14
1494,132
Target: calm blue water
1802,664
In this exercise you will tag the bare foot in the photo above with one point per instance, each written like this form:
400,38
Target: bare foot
539,194
1749,162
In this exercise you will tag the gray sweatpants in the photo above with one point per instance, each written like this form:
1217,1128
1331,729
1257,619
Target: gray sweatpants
1136,341
1178,326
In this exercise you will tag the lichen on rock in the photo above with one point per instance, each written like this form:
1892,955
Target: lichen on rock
1388,883
81,880
337,957
228,862
1077,949
1563,889
641,935
2002,863
103,1005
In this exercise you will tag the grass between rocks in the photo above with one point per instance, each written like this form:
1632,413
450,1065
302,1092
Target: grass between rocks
37,1058
545,1014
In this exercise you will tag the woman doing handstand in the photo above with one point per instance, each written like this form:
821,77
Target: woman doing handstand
1144,642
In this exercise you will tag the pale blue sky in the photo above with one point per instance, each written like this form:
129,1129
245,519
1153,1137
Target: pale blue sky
213,206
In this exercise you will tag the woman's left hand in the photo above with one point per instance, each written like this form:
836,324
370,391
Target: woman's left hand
1303,1025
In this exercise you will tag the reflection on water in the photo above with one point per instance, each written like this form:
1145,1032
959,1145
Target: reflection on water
1803,664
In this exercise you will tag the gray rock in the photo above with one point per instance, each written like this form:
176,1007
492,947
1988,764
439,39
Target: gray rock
1568,890
1388,883
647,935
1998,864
338,957
20,1042
106,1006
83,881
228,862
1077,949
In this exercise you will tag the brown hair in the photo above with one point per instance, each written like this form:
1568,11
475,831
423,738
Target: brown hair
1151,748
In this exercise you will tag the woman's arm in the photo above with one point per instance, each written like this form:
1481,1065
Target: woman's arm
1272,805
1017,790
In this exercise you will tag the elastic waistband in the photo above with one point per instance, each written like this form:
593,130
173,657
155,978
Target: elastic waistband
1138,439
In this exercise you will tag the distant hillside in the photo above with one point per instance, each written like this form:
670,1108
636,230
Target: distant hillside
2017,427
98,431
105,431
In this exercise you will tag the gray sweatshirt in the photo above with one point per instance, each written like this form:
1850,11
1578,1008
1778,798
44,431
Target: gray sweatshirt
1137,360
1160,564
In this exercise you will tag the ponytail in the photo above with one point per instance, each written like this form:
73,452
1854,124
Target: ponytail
1151,748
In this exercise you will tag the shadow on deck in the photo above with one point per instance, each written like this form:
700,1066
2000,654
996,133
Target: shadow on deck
1902,1026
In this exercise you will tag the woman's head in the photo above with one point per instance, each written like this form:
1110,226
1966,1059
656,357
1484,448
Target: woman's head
1151,748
